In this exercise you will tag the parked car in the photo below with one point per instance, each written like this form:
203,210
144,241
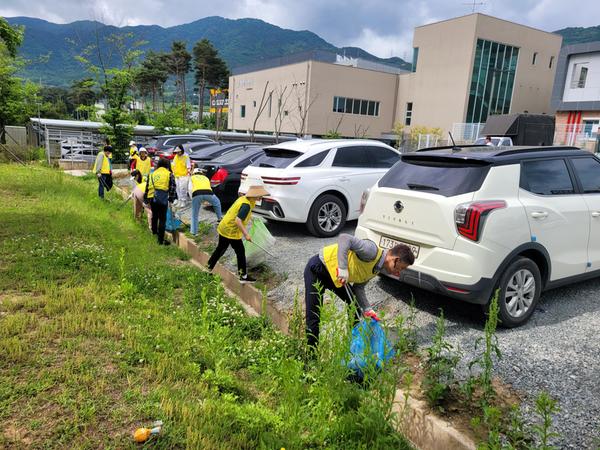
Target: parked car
87,154
164,145
210,152
318,182
497,141
521,220
226,170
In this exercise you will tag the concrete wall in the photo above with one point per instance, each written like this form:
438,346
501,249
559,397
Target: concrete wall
533,83
591,91
329,80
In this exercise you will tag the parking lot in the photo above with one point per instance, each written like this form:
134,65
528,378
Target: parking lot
556,351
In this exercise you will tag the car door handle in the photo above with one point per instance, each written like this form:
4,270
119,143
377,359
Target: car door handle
539,214
596,214
344,179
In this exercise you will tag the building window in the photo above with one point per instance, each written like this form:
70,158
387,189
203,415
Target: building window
415,58
551,62
242,110
254,103
579,76
534,58
355,106
408,117
270,102
492,80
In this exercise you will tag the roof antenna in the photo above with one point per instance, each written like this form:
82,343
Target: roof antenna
454,147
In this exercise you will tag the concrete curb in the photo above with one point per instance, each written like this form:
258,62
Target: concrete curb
423,429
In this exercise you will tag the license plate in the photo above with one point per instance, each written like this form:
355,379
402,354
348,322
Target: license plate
385,242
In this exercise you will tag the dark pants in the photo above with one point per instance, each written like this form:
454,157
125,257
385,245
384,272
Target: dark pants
316,272
238,248
159,220
104,182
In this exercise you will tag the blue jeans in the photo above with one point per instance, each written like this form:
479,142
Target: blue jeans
197,203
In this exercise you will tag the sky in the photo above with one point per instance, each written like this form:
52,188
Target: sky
382,27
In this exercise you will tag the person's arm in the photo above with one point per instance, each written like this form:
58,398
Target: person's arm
98,164
358,289
188,165
241,216
365,249
189,189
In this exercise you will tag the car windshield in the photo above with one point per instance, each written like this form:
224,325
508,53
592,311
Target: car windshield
278,158
152,143
442,176
481,141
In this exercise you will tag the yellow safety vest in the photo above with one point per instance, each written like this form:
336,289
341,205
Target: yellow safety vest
143,165
133,151
159,179
200,183
180,165
358,271
227,227
105,169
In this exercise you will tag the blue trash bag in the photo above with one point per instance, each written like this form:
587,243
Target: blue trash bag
173,223
369,347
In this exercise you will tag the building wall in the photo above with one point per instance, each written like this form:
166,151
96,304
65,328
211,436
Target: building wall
286,83
438,88
328,81
591,91
533,83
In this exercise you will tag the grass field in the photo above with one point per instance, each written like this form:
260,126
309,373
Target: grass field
103,331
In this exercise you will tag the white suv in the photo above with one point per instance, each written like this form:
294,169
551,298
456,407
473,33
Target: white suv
478,219
319,181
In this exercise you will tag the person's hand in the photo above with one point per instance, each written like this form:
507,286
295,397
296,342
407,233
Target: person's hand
342,275
248,237
98,174
372,314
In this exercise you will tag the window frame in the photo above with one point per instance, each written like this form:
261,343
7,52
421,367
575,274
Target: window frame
337,150
579,184
242,111
408,114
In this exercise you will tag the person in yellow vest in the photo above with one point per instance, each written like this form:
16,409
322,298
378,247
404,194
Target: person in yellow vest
233,227
138,198
201,191
133,150
182,168
103,170
352,261
142,162
160,191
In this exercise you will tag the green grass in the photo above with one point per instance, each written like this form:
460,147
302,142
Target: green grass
103,331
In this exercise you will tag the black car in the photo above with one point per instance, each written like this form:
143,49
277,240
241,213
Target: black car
163,146
210,152
225,171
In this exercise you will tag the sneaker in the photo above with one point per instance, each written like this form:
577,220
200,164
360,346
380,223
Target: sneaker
247,279
165,242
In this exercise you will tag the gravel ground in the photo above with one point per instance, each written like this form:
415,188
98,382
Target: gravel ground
556,351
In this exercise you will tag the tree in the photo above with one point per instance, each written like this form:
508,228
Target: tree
282,100
210,71
261,108
303,105
152,75
82,93
179,65
12,37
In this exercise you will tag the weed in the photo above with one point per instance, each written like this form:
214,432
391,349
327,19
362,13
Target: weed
492,418
545,407
439,366
406,341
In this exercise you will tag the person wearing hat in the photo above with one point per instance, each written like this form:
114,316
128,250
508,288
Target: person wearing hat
142,162
103,169
200,191
138,197
181,167
160,191
133,150
351,262
232,228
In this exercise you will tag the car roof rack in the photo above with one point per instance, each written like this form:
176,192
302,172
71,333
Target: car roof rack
525,149
448,147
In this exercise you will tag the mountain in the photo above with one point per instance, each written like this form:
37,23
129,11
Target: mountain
51,48
577,35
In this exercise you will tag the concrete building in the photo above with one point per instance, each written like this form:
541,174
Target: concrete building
576,96
463,70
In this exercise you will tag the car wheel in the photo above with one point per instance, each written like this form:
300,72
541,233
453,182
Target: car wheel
520,287
327,216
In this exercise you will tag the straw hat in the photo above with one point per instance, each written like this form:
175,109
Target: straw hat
256,191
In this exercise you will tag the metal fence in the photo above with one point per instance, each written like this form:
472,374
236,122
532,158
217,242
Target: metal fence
578,135
466,133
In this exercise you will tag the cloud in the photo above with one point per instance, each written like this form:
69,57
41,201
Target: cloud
379,26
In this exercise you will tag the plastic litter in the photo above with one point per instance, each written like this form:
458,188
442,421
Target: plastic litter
262,240
369,348
143,434
173,223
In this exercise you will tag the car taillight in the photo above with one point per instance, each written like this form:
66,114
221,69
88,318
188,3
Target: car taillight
363,200
281,181
470,217
219,177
